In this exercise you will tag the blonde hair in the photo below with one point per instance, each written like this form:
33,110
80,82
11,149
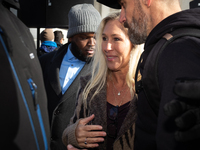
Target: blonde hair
99,67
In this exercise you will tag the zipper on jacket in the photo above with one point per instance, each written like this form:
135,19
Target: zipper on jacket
34,94
20,87
33,88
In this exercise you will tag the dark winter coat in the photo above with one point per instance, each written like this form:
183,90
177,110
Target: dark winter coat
179,59
126,134
24,116
60,107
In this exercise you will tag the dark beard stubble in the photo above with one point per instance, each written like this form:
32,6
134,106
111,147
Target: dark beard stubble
78,53
137,28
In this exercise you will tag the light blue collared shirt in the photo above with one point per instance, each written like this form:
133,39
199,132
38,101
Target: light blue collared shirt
69,69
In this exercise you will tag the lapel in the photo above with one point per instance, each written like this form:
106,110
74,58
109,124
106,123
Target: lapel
130,117
55,68
98,107
73,88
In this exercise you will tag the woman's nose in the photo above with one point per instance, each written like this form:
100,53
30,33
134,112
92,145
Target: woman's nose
108,47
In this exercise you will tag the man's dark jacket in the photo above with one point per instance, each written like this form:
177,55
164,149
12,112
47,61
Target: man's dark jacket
60,107
180,59
24,116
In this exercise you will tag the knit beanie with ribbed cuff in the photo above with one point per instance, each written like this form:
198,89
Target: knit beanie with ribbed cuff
83,18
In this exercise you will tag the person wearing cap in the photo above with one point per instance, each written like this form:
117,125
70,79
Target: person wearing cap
58,38
62,68
47,40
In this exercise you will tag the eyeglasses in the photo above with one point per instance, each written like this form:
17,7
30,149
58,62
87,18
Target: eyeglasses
112,127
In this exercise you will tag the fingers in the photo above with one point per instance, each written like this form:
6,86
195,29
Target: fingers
188,89
191,134
87,120
186,115
70,147
186,109
89,134
91,137
174,108
92,127
83,132
91,142
188,119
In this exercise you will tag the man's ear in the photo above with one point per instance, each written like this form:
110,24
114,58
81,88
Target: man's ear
147,2
70,39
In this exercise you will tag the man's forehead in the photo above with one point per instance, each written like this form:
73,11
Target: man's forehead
86,34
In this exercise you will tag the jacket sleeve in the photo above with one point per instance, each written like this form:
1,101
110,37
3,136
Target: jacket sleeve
180,59
69,135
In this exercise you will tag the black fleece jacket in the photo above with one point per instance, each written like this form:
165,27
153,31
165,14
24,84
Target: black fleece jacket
179,59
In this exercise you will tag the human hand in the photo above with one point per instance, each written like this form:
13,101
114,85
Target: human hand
88,136
186,109
70,147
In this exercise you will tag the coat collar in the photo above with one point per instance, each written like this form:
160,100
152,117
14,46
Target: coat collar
98,107
54,74
55,68
130,117
75,84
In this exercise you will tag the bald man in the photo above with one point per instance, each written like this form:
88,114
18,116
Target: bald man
148,21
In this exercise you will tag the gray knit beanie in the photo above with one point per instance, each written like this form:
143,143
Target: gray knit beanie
83,18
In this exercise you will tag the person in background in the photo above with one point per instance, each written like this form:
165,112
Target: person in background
106,108
178,62
47,42
24,119
58,38
62,68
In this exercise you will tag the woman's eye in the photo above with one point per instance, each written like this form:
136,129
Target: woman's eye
116,39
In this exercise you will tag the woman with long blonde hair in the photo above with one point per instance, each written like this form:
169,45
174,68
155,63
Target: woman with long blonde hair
106,108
